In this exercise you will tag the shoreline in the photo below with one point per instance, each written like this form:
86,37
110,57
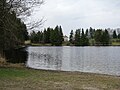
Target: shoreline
23,66
77,72
20,77
4,64
72,45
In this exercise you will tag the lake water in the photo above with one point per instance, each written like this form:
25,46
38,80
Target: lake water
103,60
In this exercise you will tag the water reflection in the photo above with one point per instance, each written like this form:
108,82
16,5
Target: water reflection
45,59
105,60
16,55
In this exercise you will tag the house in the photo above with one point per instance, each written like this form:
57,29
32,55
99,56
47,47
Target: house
65,38
111,31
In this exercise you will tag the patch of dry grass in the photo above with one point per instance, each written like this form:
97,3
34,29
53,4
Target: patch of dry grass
2,61
29,79
5,64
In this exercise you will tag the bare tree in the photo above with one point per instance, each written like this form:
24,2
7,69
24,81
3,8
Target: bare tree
23,9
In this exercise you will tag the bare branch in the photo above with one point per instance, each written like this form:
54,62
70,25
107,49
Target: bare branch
35,24
23,7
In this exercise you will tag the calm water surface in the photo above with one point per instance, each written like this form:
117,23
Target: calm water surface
104,60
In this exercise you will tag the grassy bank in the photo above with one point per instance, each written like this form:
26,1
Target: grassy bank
5,64
115,43
18,77
29,79
68,44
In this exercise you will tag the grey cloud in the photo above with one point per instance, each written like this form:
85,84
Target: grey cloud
73,14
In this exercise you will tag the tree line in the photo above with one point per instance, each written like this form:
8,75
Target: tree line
91,36
80,37
53,36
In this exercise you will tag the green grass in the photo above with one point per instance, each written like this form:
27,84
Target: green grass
115,43
37,44
29,79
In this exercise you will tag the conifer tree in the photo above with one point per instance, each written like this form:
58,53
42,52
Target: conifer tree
48,35
71,37
119,36
52,37
77,37
84,41
105,38
114,34
98,36
61,35
86,33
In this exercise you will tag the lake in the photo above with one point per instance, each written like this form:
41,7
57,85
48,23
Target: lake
103,60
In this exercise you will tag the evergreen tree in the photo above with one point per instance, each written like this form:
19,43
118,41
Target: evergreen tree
1,25
57,36
84,41
61,35
48,34
105,38
52,37
91,31
114,34
25,32
39,36
98,37
119,36
13,31
86,33
77,37
71,37
34,37
45,36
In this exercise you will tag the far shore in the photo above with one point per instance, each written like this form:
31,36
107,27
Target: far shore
65,44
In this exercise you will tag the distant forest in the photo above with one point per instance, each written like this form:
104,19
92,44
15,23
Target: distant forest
80,37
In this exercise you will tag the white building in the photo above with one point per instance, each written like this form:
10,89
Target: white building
110,31
117,31
65,38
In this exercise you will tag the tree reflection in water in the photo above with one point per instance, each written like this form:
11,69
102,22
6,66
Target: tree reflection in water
46,60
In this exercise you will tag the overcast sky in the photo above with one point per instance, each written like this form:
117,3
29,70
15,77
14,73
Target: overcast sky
74,14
